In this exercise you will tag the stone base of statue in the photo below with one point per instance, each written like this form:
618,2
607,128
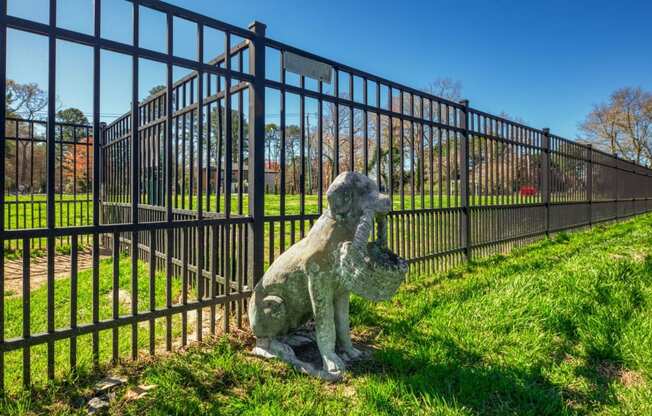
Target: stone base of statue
300,350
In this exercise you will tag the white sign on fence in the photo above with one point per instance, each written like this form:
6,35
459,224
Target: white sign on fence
307,67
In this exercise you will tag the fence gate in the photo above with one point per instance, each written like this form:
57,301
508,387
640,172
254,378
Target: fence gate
166,158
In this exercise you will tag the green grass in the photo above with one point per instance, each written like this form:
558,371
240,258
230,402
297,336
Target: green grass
38,319
563,326
311,202
32,213
27,211
67,215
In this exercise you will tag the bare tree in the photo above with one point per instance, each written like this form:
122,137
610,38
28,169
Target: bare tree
155,90
346,120
636,120
509,117
24,101
446,87
622,125
601,128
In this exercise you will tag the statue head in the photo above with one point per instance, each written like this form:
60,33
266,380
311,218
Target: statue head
354,200
367,268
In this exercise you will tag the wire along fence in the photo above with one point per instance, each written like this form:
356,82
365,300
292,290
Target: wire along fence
154,234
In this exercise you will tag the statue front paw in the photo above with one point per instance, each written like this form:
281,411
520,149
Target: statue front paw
333,364
351,354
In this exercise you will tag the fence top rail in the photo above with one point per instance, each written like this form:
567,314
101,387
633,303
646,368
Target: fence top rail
14,119
14,132
600,157
178,84
537,133
186,14
618,161
175,210
360,73
217,61
504,120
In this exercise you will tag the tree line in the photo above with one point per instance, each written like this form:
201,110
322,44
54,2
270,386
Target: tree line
621,126
25,147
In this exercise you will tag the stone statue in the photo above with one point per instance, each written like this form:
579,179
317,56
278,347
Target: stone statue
313,279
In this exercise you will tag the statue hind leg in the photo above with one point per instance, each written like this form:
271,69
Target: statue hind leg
267,316
268,322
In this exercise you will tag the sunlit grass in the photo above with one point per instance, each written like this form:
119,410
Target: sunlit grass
13,318
563,326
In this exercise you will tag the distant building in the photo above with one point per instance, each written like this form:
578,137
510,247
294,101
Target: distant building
272,170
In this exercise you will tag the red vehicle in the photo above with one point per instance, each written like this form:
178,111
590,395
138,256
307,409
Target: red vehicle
527,191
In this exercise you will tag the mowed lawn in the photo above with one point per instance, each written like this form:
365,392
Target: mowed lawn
32,213
563,326
72,211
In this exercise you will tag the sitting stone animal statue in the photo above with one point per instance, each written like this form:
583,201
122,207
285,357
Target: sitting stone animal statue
313,279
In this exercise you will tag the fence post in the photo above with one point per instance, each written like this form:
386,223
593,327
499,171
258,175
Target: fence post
589,184
617,187
3,132
256,152
464,181
545,180
98,169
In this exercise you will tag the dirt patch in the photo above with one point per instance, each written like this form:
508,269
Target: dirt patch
612,371
366,335
138,392
241,336
124,297
631,379
38,271
637,256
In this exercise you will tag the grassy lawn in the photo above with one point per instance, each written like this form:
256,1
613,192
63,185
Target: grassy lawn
32,213
560,327
38,319
68,213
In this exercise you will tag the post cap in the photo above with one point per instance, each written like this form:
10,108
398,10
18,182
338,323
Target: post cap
257,26
546,130
464,103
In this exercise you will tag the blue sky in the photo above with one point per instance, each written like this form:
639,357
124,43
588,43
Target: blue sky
546,62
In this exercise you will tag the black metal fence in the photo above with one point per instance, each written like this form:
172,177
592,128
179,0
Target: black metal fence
229,168
25,204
